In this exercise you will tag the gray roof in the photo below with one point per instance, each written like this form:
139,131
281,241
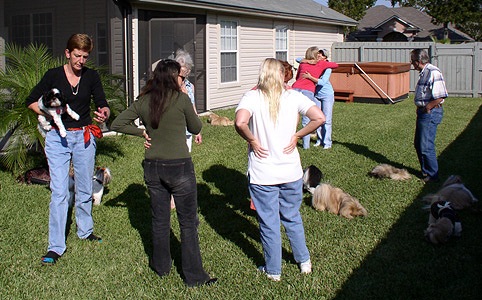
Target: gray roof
306,10
377,16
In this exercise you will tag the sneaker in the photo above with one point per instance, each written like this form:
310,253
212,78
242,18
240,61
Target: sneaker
317,144
305,267
93,238
262,269
327,147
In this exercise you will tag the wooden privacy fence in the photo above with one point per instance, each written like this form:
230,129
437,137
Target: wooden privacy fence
461,64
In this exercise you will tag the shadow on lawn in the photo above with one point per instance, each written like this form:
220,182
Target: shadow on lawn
228,213
377,157
136,199
404,266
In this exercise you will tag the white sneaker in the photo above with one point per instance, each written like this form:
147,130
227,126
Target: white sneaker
317,144
305,267
262,269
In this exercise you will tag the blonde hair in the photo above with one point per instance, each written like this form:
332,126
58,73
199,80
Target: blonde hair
270,83
311,52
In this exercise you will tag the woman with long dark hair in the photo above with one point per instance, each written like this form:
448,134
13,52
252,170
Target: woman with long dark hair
166,112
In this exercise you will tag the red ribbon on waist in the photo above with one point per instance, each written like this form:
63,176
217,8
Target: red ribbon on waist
94,129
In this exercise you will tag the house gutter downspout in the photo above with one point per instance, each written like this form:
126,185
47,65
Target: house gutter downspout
126,10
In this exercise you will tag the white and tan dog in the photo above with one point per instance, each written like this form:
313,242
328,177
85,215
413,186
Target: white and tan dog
53,104
388,171
100,180
454,191
335,200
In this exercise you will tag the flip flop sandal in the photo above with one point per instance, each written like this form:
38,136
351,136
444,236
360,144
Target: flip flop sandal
50,258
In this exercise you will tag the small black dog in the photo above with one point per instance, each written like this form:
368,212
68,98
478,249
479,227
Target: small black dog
54,105
312,177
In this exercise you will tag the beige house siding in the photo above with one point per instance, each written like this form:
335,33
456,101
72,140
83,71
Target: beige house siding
87,12
256,41
307,35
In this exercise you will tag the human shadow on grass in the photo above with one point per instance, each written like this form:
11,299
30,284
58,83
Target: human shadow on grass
138,203
404,265
377,157
110,148
228,212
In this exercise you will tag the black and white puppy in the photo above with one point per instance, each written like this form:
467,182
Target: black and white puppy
312,177
53,103
443,223
100,180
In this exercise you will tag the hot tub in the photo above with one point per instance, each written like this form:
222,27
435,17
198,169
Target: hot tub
375,82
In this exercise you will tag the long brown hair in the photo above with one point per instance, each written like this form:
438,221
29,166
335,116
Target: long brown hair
162,87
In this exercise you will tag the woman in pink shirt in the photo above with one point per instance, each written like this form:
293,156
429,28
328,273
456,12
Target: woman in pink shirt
305,85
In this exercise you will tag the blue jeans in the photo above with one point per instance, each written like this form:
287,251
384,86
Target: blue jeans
424,141
276,205
305,120
324,131
176,177
59,152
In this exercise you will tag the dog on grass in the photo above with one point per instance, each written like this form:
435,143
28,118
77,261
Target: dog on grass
216,120
100,180
388,171
454,191
336,201
330,198
54,104
312,177
443,223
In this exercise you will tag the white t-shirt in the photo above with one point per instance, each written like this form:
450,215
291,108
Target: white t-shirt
278,167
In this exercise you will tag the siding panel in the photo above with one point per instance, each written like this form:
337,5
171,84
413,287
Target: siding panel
257,42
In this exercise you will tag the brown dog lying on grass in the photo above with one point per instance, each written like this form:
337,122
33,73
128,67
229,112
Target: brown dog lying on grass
216,120
335,200
388,171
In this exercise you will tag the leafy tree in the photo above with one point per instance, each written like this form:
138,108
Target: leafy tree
354,9
420,4
463,14
20,141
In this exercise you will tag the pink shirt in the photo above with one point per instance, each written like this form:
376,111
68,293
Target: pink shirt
315,71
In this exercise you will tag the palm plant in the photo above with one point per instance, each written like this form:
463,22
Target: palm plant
19,136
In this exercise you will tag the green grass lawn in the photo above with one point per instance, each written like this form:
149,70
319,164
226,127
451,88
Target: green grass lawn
381,256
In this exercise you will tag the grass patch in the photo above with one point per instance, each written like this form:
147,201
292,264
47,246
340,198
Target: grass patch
382,256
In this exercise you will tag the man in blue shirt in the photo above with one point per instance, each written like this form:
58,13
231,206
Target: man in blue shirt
430,94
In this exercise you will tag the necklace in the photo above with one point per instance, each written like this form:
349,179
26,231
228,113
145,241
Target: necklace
75,90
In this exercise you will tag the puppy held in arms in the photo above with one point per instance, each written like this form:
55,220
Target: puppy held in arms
53,104
216,120
442,223
100,180
334,200
388,171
